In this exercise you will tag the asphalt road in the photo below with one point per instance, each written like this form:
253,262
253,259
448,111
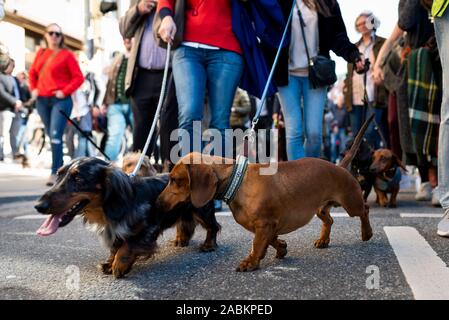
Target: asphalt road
405,259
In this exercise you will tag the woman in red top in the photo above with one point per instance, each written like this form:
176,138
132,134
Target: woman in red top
54,76
209,58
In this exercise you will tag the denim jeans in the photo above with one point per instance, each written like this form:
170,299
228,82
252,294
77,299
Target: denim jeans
84,147
119,117
17,133
49,110
196,70
360,114
442,35
340,136
303,109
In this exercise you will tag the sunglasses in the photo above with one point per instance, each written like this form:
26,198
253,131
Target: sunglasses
54,33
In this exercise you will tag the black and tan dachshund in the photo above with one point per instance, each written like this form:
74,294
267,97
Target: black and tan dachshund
360,166
120,209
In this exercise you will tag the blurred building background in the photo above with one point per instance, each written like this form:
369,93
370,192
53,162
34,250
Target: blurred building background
88,30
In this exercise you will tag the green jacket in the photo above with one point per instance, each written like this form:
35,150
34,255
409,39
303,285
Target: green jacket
439,7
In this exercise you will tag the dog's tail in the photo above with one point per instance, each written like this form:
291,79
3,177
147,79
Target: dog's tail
346,162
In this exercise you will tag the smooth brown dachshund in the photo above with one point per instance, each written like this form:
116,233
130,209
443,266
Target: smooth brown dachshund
272,205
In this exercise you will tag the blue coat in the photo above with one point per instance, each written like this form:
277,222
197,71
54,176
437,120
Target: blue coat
255,22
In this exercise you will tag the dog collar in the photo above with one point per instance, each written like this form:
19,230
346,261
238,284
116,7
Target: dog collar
238,173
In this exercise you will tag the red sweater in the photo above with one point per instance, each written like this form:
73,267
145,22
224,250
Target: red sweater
207,22
62,72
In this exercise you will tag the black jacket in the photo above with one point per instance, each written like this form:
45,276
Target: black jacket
332,36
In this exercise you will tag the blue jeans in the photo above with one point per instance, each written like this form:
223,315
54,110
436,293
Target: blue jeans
303,109
196,70
442,35
360,114
85,147
340,136
119,117
55,123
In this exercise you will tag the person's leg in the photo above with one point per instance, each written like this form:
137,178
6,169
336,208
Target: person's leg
116,129
314,101
189,72
144,103
57,125
169,121
334,155
355,117
290,98
2,156
224,70
14,132
442,35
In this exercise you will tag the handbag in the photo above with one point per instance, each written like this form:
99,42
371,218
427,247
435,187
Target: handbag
178,18
394,70
321,68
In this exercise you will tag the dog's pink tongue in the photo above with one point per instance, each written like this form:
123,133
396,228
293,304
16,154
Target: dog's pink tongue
50,226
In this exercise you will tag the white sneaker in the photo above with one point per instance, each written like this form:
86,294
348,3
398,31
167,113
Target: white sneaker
443,226
424,193
435,199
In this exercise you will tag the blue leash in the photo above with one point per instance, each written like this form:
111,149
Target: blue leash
270,77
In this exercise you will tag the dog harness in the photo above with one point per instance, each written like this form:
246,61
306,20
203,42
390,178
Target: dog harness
237,175
386,184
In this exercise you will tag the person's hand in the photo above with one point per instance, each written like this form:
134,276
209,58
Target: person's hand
360,65
104,109
146,6
167,30
34,93
59,94
18,106
378,75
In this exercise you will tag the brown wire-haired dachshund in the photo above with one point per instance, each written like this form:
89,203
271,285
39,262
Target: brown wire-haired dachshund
119,208
387,168
130,161
272,205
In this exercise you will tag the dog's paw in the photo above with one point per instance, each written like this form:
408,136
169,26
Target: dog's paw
321,244
247,265
181,243
208,247
106,268
281,250
392,205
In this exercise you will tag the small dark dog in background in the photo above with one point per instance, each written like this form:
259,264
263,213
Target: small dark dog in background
360,166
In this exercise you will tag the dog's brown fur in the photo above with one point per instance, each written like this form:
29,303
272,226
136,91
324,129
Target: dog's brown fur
272,205
384,165
130,161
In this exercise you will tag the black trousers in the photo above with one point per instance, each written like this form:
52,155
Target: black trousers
168,120
144,98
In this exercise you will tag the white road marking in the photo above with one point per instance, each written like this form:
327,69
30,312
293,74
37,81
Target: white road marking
421,215
31,217
425,272
339,215
224,214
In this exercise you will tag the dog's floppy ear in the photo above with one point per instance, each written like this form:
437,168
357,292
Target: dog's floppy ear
399,162
203,184
117,194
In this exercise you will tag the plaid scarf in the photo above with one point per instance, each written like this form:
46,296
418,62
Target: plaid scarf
424,97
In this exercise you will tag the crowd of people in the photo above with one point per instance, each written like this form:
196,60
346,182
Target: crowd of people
219,68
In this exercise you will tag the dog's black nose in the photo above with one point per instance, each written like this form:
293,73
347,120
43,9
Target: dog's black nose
42,207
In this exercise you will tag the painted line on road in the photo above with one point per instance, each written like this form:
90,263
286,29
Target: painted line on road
426,274
421,215
224,214
31,217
